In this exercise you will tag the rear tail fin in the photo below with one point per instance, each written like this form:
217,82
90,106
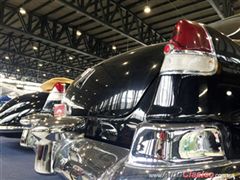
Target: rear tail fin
55,97
190,51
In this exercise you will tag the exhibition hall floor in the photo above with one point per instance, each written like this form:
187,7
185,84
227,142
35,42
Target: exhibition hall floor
17,163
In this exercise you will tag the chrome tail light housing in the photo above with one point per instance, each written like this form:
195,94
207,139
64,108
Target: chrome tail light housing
190,51
158,145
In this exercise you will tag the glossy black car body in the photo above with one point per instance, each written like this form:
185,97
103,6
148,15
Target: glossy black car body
116,91
136,77
12,112
127,94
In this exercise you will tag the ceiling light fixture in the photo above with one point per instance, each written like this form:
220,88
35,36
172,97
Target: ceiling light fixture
35,48
7,57
147,9
22,11
70,57
229,93
114,47
78,33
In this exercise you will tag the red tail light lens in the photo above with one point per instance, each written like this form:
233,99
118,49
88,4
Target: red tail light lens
190,35
59,87
60,110
168,48
163,136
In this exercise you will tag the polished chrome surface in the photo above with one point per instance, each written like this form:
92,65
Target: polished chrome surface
44,157
33,119
30,121
88,158
52,129
156,145
46,152
11,129
27,140
155,149
190,62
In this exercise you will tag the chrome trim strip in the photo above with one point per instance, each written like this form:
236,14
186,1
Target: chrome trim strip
6,129
190,53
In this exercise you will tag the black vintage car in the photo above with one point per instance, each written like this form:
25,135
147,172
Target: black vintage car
167,111
14,114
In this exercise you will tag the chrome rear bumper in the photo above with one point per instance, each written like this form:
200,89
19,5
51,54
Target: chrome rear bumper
159,151
32,136
90,159
84,157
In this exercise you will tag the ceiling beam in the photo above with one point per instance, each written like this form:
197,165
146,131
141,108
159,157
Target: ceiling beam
226,6
42,6
216,8
42,73
106,13
51,32
20,60
42,53
25,72
42,56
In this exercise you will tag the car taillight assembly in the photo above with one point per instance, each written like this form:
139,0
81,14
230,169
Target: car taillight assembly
55,97
163,144
168,48
189,51
60,87
190,35
59,110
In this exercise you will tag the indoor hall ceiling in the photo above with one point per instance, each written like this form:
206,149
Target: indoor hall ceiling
40,39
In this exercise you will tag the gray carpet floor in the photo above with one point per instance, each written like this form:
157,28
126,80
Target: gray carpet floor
17,163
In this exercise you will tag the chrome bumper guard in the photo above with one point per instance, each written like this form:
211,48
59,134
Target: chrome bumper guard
44,157
84,157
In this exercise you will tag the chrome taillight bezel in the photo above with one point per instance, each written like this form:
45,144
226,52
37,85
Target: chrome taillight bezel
174,131
189,62
195,56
